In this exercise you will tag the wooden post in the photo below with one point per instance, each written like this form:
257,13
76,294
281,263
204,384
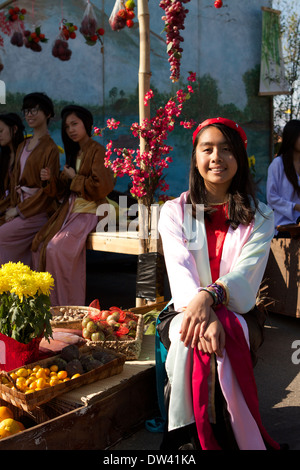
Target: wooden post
144,111
144,66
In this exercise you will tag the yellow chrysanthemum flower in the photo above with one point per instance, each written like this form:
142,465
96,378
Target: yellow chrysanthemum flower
19,279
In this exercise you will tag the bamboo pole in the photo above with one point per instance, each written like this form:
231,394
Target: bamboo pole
144,112
144,66
144,80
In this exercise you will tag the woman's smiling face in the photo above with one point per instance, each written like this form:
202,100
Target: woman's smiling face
214,159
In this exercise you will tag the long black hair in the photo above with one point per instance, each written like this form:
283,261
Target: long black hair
16,127
291,133
242,202
72,148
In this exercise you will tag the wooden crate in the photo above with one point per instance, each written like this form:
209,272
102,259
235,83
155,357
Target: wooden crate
282,276
32,400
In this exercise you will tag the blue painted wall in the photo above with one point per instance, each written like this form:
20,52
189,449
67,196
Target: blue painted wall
221,45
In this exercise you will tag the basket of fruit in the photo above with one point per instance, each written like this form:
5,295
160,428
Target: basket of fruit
34,384
116,329
69,316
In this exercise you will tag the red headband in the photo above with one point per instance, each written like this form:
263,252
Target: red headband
226,122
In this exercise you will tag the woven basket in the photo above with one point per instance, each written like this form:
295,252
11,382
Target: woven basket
29,401
73,309
131,348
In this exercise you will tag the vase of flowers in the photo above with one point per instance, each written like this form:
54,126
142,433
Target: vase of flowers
24,313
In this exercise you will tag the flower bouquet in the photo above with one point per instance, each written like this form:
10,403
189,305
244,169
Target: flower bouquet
24,313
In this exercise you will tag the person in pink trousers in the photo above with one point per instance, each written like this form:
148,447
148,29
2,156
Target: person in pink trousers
60,246
29,204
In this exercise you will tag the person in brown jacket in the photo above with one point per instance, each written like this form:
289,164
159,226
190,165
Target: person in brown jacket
84,183
29,205
11,135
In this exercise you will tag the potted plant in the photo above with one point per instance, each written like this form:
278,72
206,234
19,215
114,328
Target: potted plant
24,313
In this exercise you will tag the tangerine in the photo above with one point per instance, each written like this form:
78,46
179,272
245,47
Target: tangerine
54,368
21,383
62,374
40,373
41,382
22,372
54,381
10,426
5,413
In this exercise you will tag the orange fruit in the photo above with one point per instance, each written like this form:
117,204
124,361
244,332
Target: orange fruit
54,381
22,372
33,385
75,376
5,413
10,426
21,383
62,374
41,373
54,368
41,382
30,380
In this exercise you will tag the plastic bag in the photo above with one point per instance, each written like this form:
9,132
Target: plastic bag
15,17
117,20
122,15
88,27
150,276
60,48
17,35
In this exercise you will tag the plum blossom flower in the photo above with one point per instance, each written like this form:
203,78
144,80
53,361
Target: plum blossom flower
146,168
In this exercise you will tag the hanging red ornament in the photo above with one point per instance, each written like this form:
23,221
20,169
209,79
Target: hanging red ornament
218,3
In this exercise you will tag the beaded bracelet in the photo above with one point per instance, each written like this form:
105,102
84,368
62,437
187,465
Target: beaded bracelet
219,292
213,295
